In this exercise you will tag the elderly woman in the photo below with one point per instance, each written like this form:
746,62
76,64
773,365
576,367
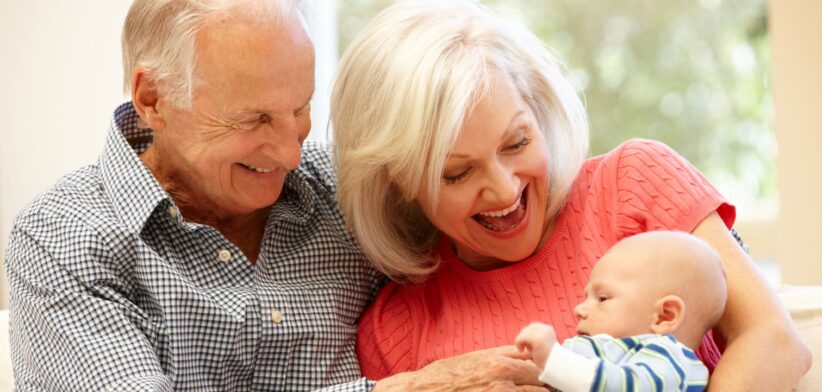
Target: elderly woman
461,154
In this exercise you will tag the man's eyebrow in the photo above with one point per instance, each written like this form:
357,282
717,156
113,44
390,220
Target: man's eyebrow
310,97
246,113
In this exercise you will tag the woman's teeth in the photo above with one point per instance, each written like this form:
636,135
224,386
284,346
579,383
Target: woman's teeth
503,220
501,213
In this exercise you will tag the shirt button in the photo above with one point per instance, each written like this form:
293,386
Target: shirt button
172,211
276,317
224,255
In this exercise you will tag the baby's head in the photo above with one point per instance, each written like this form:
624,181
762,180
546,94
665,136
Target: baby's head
659,282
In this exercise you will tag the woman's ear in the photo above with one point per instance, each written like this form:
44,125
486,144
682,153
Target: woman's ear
669,314
145,98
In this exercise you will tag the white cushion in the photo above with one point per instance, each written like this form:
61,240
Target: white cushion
6,377
804,304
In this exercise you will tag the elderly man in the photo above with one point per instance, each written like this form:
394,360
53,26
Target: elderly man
197,254
204,250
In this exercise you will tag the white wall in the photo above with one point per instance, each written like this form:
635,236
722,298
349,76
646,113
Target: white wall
60,77
797,89
61,80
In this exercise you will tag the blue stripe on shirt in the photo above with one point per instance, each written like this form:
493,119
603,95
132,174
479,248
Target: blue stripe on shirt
662,351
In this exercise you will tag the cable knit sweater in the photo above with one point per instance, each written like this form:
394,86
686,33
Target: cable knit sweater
639,186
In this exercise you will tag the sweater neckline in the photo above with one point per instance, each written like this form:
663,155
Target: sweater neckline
456,265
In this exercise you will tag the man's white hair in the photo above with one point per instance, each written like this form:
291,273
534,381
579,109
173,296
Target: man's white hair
161,36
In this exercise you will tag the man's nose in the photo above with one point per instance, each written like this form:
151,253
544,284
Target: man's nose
284,142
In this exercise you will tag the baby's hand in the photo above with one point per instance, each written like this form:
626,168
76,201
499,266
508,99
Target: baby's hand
538,338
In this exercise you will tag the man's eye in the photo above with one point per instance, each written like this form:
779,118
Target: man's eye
252,123
302,111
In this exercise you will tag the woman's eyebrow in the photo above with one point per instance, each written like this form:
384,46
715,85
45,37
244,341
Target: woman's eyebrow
511,128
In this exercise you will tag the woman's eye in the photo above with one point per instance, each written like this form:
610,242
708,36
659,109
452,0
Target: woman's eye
526,140
453,179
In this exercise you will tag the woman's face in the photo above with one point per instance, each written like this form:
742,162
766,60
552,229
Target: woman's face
494,193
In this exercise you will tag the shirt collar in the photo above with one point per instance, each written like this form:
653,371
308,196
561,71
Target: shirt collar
132,189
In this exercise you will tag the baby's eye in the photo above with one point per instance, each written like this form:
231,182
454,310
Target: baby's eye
602,298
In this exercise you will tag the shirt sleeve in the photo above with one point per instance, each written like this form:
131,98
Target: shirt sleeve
607,364
361,385
67,336
657,189
386,336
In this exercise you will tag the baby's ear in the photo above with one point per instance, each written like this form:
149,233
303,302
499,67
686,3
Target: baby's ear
669,312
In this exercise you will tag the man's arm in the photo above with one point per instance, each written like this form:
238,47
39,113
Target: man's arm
65,336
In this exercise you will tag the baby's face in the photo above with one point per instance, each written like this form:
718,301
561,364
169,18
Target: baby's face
618,301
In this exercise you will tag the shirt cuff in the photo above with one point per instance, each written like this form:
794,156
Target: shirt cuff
568,371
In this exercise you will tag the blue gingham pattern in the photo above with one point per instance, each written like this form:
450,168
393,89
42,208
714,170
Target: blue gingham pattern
111,289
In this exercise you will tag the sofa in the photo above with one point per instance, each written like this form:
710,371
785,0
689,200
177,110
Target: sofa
804,303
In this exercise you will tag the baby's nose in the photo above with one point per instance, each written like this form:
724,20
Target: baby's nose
579,312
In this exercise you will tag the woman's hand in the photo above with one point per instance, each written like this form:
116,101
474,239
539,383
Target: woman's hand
496,369
764,351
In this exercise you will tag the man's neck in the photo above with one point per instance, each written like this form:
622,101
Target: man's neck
243,229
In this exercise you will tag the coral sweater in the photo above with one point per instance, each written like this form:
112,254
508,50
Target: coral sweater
639,186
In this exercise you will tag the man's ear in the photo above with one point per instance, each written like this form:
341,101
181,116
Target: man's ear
145,98
669,314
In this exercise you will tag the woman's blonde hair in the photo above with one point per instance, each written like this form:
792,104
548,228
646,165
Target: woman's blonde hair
404,89
161,36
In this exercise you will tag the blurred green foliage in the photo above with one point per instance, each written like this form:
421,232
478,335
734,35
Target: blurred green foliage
690,73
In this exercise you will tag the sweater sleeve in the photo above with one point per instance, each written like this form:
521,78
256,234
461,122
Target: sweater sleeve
657,189
386,337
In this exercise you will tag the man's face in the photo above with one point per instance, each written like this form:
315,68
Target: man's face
250,115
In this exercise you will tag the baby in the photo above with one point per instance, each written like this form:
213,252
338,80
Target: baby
648,303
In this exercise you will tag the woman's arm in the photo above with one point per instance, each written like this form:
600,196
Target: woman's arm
495,369
761,338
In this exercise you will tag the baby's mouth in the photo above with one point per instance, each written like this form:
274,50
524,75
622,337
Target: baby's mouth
507,219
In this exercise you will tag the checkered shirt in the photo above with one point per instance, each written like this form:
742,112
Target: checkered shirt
112,289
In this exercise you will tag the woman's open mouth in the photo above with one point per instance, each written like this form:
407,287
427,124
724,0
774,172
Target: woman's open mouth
507,219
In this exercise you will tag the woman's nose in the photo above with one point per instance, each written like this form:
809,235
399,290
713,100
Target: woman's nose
502,186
